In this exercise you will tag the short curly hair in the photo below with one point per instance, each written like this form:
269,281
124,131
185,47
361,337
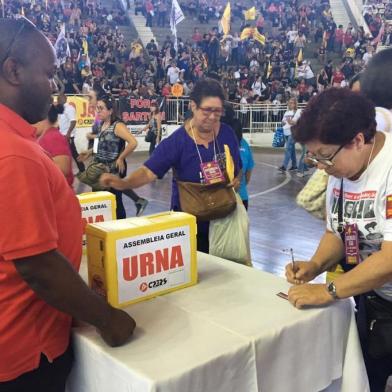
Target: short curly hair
207,87
336,116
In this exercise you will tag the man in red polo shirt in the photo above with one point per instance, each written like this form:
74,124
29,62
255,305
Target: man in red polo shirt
41,231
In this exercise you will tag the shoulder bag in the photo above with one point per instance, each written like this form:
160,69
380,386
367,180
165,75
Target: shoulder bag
206,201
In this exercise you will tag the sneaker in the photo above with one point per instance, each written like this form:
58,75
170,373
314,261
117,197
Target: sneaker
141,205
293,168
282,169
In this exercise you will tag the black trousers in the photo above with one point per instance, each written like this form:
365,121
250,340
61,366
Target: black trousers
75,155
378,370
152,146
49,377
203,243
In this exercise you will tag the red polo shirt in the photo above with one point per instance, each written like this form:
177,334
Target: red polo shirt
38,213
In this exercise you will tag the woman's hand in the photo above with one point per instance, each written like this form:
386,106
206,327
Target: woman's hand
120,164
235,184
303,272
111,181
83,156
91,136
309,295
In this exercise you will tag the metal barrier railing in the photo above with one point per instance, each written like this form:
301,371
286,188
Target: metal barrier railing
255,118
175,109
264,117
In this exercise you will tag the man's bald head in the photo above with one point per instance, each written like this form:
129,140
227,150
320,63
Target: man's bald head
27,65
16,37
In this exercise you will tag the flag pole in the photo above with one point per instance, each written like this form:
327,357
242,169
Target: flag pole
2,6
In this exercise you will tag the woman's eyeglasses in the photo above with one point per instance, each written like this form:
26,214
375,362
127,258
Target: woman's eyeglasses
215,111
324,161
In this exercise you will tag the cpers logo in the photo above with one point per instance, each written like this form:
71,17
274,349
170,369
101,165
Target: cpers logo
153,262
155,283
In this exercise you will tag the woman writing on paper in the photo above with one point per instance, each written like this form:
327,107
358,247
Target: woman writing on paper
338,128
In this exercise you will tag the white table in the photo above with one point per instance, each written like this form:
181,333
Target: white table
229,333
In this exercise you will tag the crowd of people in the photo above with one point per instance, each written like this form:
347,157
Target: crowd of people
251,71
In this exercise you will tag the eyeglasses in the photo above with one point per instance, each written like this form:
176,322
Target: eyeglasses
218,112
24,23
324,161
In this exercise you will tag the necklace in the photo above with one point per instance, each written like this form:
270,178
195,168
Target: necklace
204,139
365,182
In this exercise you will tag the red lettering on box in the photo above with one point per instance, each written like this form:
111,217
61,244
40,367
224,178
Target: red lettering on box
148,263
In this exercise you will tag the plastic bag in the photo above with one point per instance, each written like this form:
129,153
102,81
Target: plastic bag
278,140
229,236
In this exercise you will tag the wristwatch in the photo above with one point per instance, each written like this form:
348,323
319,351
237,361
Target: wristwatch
331,288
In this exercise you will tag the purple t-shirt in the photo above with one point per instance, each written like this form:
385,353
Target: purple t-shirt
179,151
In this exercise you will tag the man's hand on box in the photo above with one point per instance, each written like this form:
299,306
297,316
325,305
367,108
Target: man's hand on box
119,328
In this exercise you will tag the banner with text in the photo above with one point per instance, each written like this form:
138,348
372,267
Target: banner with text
134,110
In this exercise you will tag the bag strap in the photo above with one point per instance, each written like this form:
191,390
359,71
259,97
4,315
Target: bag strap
340,211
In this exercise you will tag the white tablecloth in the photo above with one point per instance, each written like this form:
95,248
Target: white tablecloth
229,333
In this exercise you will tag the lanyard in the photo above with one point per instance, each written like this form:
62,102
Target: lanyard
340,211
197,147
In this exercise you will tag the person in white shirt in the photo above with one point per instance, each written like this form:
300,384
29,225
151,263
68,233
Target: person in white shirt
291,36
290,118
254,65
339,130
173,74
244,109
67,124
258,86
368,55
309,75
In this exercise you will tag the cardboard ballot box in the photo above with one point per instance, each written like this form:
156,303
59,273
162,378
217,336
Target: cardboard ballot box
96,207
134,259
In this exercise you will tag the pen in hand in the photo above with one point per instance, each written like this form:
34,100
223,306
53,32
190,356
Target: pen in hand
293,263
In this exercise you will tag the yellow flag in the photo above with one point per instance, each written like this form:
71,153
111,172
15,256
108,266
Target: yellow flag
250,14
258,37
225,21
85,47
269,69
300,56
246,33
229,163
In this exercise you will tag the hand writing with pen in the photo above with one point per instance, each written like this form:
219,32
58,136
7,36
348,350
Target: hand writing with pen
303,293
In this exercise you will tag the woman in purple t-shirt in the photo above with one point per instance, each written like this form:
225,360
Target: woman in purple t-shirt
202,139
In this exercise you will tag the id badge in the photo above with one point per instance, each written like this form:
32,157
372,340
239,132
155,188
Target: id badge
212,173
351,244
95,145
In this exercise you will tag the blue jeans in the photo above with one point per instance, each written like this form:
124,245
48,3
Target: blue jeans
289,153
302,165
